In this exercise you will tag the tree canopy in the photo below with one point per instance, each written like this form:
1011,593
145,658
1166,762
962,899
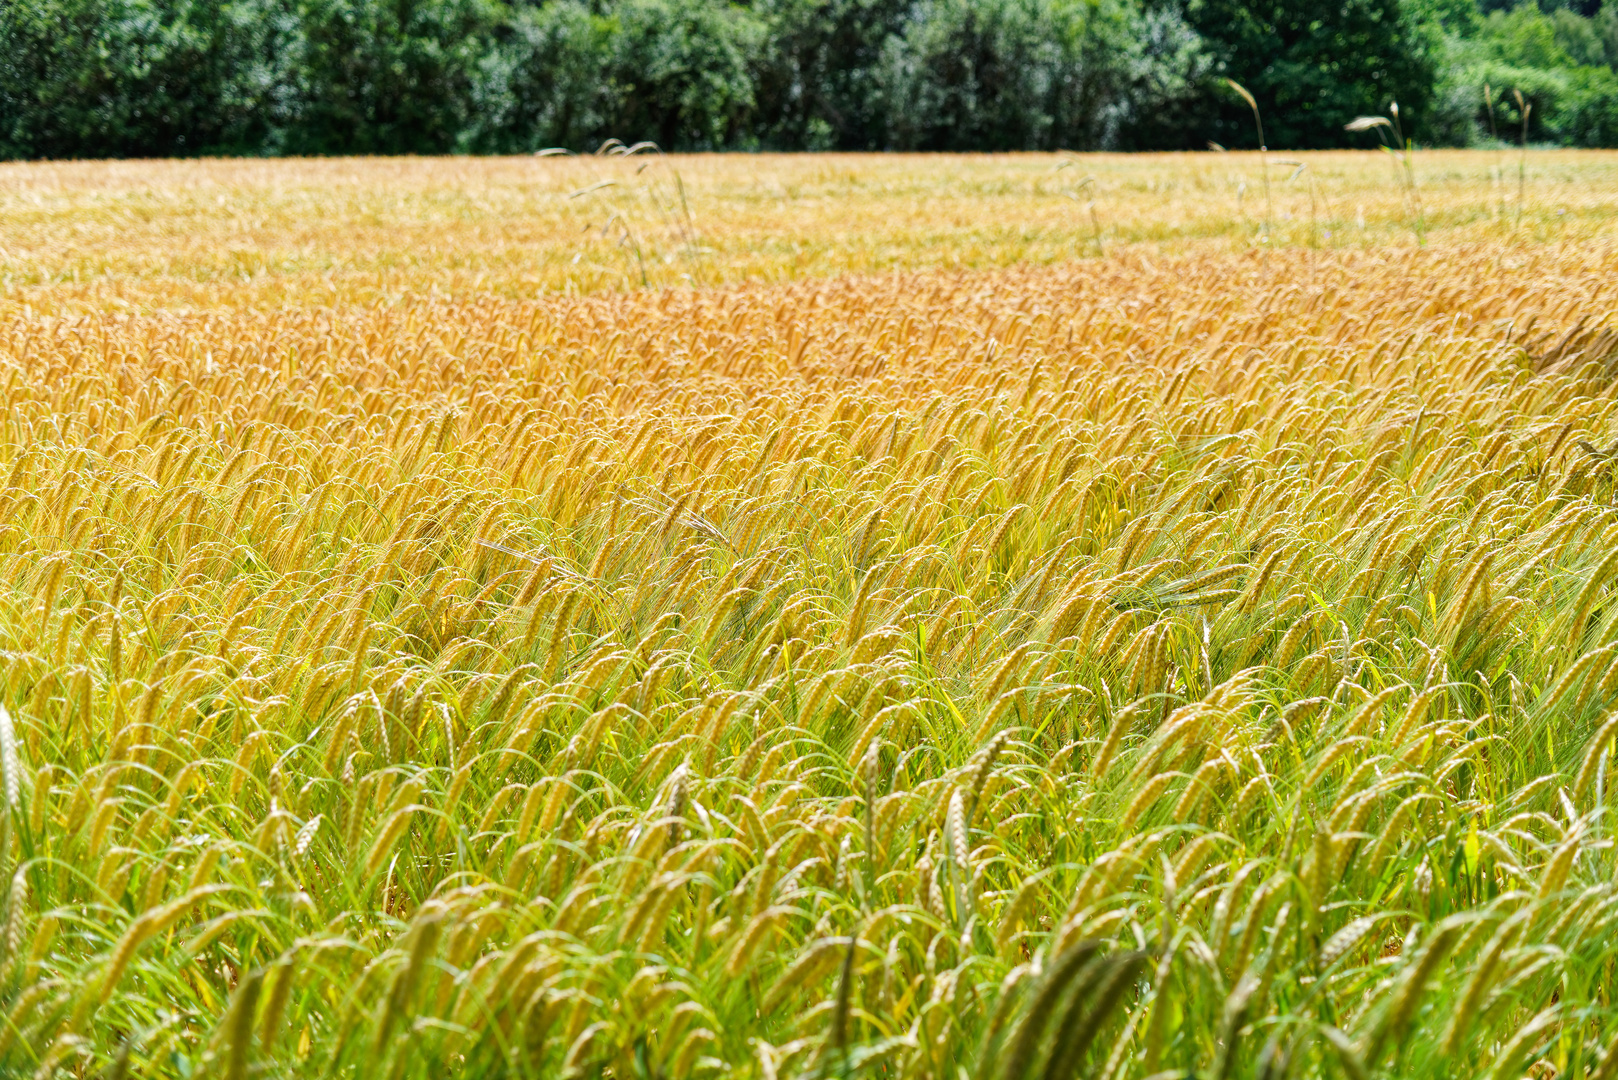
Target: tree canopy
86,78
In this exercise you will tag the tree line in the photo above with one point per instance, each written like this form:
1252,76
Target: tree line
136,78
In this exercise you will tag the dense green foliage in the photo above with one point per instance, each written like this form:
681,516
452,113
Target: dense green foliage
1311,70
1561,62
175,77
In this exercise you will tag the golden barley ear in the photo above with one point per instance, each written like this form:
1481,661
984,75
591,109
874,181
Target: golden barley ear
837,1039
1607,1067
1243,91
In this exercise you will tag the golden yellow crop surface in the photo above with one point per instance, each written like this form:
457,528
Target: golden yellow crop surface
138,236
767,617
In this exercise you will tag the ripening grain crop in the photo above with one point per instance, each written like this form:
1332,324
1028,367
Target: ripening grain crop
974,649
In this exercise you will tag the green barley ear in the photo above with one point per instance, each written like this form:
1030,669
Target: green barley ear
1597,748
675,809
1345,939
1234,1017
1011,916
1347,1055
960,850
280,975
238,1025
16,924
870,769
422,941
1478,984
1010,994
1122,720
838,1040
985,768
1394,1023
1607,1067
1509,1063
119,1069
1063,971
10,780
1096,996
10,764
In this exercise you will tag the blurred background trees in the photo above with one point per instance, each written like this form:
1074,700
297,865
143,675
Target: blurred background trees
129,78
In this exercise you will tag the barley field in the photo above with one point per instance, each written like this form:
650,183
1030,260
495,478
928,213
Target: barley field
805,617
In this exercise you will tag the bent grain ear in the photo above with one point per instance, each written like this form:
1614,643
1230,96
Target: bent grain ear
1366,123
1242,90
